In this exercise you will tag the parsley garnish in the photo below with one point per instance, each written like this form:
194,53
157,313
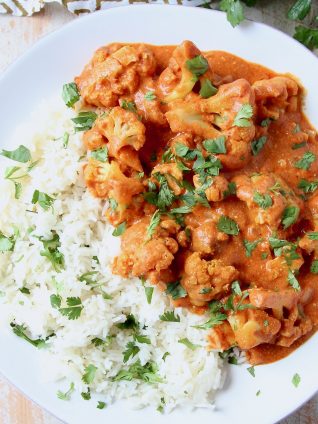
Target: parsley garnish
175,290
43,199
165,196
142,339
130,106
89,374
150,95
100,154
66,395
314,267
21,154
84,121
52,253
20,331
290,216
198,65
149,293
296,380
216,319
308,186
296,146
169,316
251,370
70,94
243,115
231,190
250,246
228,226
181,150
147,373
234,11
292,280
86,395
258,144
264,201
216,145
131,351
120,229
74,308
154,222
305,162
188,344
207,89
101,405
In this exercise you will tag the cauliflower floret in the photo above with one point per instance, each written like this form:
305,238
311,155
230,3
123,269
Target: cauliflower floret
148,104
221,337
93,139
266,196
206,280
141,256
218,116
106,180
275,95
176,81
173,175
278,272
112,74
215,192
294,327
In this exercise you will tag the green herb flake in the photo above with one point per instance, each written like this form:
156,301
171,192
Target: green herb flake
216,319
243,116
231,190
169,316
43,200
130,323
165,355
250,246
147,373
129,105
150,96
6,243
84,121
52,253
207,89
307,186
234,11
251,370
296,146
149,293
56,301
292,280
305,162
198,65
120,229
175,290
25,290
142,339
188,344
21,154
89,374
100,154
266,122
313,235
216,145
86,395
70,94
307,36
66,395
264,201
101,405
228,226
20,331
299,10
257,145
154,222
314,267
74,308
290,216
258,392
131,351
296,380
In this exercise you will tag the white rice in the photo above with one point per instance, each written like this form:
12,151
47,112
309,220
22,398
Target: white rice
190,377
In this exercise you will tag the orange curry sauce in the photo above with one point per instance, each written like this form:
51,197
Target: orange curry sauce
211,179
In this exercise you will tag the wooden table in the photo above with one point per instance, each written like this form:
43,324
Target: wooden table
16,34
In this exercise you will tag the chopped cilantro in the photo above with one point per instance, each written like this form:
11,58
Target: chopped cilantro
52,253
66,395
257,145
149,293
100,154
250,246
175,290
154,222
128,105
313,235
130,323
314,267
43,199
264,201
197,65
292,280
188,344
290,216
101,405
131,350
20,331
21,154
150,95
89,374
147,373
242,118
308,186
296,380
251,370
120,229
234,11
228,226
296,146
216,319
305,162
169,316
70,94
84,121
86,395
74,308
207,89
216,145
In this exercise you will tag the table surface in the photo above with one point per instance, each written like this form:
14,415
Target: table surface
16,34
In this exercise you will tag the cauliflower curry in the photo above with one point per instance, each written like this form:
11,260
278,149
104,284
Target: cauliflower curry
209,169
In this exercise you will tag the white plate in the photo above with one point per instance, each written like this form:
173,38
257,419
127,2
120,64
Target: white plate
57,59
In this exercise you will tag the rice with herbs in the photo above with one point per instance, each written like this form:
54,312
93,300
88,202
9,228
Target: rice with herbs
100,331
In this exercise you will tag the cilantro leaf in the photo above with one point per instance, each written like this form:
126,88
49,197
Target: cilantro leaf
128,105
131,351
296,380
314,267
86,395
231,190
89,374
66,137
6,243
296,146
56,301
147,373
313,235
150,95
228,226
307,36
243,115
25,290
130,323
216,319
100,154
258,144
165,195
21,154
207,89
101,405
84,121
299,10
120,229
175,290
188,344
290,216
154,222
169,316
292,280
43,199
308,186
305,162
234,11
70,94
149,293
52,253
20,331
66,395
264,201
216,145
181,150
88,277
250,246
142,339
197,65
251,370
74,309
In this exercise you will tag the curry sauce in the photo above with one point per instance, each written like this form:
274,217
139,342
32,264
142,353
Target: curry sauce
209,168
